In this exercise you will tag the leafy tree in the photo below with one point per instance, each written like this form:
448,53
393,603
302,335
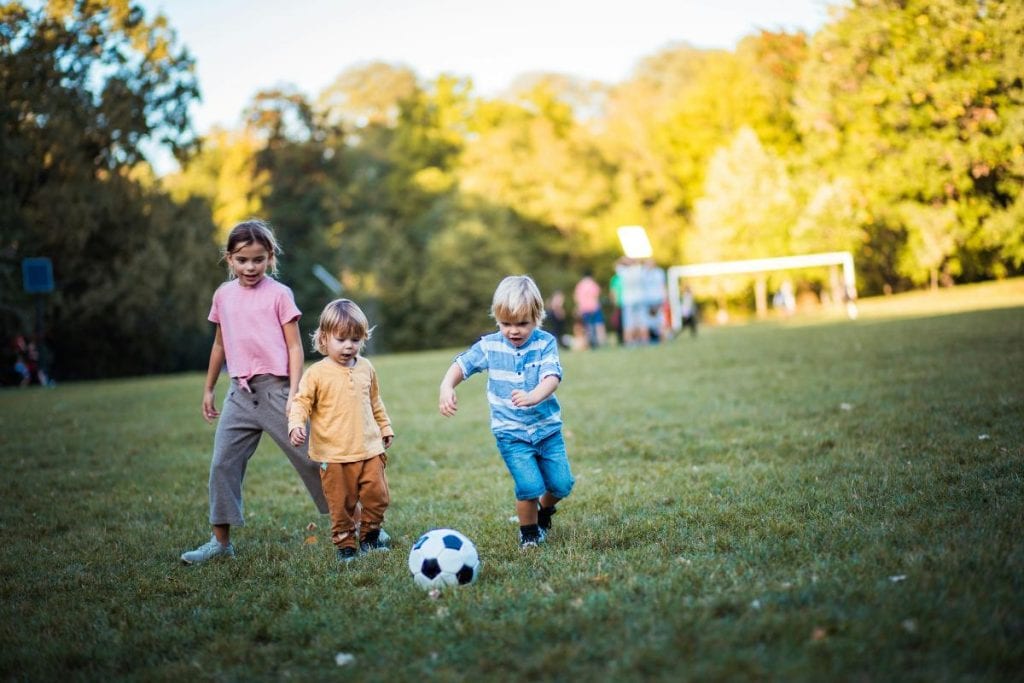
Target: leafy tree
921,102
466,258
224,174
533,156
747,211
748,207
82,86
302,175
665,124
367,94
930,240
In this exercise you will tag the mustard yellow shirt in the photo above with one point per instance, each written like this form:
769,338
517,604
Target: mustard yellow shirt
346,414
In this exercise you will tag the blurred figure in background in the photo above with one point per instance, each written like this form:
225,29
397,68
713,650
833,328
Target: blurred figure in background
688,311
28,365
655,296
635,331
615,293
587,297
554,316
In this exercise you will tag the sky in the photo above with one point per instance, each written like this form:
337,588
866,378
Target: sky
243,46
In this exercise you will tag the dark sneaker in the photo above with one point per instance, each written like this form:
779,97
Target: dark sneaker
544,517
346,555
528,539
210,550
375,541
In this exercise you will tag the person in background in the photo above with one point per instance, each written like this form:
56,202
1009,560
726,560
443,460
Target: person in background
635,316
655,297
688,311
615,293
555,317
587,297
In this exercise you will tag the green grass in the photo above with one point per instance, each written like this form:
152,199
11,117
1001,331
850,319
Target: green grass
815,499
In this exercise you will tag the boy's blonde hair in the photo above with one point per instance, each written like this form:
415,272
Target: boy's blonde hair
341,318
253,231
518,298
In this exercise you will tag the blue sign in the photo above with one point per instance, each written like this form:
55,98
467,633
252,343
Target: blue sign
37,275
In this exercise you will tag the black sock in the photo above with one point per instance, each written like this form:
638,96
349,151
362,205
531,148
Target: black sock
371,536
529,530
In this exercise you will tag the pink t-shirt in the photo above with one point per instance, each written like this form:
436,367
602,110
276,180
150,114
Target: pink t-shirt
251,321
587,295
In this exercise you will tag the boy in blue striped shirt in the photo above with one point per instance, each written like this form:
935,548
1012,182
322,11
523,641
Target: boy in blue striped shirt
523,372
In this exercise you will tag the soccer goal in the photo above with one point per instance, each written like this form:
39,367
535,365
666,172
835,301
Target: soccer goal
763,265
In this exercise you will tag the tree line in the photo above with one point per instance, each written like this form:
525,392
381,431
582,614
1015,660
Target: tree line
894,132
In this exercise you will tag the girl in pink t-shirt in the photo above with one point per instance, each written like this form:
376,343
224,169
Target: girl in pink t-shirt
257,335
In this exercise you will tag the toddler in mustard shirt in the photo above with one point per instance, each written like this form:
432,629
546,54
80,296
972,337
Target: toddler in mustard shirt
349,430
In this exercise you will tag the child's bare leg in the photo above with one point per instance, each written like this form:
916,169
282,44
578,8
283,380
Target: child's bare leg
527,511
222,532
548,500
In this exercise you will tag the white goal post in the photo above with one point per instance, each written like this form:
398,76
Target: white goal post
762,265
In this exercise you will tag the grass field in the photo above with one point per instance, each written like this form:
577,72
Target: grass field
817,499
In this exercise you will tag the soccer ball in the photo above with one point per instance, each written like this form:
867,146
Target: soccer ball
443,557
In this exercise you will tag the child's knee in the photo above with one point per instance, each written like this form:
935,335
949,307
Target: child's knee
561,490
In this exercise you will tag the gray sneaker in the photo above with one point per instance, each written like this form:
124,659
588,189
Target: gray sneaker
208,551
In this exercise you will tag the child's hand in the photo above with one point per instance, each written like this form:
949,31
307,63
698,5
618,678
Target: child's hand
387,441
448,402
522,399
297,436
209,409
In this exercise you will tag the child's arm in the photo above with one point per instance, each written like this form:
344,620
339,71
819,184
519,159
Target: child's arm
217,357
380,414
300,409
544,388
448,402
296,359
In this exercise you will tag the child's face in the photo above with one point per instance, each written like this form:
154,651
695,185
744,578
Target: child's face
249,263
343,350
516,331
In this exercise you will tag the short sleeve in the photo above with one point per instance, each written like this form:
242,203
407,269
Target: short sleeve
214,316
549,362
287,311
473,360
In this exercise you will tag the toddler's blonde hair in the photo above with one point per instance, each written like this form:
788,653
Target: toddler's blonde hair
341,318
518,298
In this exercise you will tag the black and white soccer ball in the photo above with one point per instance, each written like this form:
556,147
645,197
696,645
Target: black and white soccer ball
443,557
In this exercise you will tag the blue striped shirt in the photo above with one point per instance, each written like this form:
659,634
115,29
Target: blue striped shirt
508,368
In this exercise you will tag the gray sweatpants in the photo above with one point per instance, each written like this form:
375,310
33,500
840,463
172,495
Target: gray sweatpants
244,418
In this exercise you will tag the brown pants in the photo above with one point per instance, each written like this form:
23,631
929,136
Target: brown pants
347,485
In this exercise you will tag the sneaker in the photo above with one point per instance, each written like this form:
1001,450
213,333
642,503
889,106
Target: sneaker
376,541
544,517
531,540
346,555
208,551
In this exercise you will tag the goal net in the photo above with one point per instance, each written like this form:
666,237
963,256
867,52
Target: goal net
675,274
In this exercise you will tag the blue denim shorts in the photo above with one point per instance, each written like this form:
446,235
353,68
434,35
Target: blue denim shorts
537,467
